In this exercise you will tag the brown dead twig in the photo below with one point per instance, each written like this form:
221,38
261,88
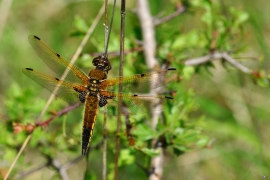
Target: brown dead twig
29,128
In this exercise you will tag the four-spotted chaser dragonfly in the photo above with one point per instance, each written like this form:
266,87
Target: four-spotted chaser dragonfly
94,89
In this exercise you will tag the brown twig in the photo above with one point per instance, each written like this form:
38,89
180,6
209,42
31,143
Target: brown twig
215,56
59,113
114,54
131,140
165,19
106,44
121,65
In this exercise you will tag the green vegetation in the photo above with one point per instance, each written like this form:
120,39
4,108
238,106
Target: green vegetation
219,130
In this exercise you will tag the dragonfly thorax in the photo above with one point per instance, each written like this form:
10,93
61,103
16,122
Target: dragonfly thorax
93,86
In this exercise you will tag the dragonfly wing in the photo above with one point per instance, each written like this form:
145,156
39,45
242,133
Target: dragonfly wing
66,90
143,82
138,103
56,62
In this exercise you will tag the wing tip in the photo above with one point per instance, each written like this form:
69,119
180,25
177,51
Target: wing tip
36,37
171,69
29,69
30,37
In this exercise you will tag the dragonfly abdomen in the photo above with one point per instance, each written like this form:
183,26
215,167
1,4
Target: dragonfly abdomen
90,114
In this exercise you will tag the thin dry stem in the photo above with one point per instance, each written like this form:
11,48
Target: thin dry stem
169,17
215,56
122,40
104,157
18,155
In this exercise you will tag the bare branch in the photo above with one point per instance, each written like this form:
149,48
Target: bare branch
56,164
149,46
114,54
59,113
106,44
25,174
62,171
148,31
121,66
215,56
160,21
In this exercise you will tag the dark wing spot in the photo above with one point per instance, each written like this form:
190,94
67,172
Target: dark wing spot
58,55
135,95
168,97
171,69
37,37
56,79
30,69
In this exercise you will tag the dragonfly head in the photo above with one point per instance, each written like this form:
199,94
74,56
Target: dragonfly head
102,63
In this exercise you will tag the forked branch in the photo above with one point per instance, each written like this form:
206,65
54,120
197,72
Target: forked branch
215,56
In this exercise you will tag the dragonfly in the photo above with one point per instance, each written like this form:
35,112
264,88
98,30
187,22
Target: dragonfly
95,90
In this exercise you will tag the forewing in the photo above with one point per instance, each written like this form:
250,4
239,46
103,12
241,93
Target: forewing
143,82
138,103
66,90
56,62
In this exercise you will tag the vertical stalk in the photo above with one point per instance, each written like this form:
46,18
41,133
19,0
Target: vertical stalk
122,39
104,157
149,48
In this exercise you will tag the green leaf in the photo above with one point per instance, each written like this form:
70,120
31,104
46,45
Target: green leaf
126,157
80,24
143,132
202,142
151,152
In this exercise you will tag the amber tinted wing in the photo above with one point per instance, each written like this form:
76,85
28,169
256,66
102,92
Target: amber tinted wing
143,82
57,63
138,103
66,90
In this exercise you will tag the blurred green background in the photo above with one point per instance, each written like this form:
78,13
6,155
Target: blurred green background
225,109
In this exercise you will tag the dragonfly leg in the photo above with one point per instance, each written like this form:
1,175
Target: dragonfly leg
82,96
102,101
